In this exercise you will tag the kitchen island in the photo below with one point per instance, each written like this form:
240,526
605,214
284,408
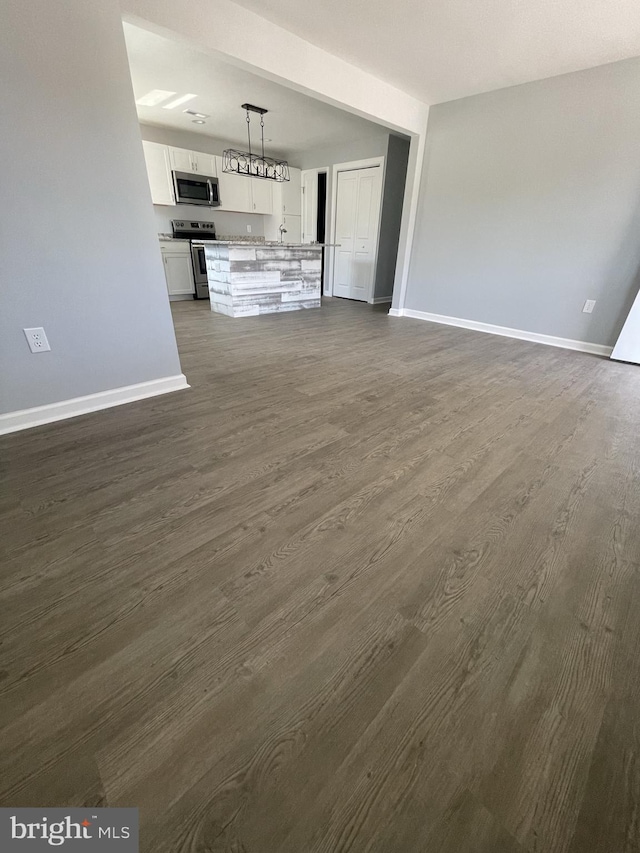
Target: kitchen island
248,279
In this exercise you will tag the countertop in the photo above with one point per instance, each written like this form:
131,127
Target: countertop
270,245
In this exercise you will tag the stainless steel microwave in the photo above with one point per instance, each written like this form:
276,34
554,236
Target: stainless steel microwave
196,189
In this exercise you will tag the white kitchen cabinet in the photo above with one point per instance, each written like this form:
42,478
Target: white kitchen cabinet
184,160
205,164
243,194
286,199
293,224
235,191
287,195
292,193
178,270
180,159
156,158
261,195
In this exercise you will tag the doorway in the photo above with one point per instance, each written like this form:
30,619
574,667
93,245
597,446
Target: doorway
314,205
314,210
321,227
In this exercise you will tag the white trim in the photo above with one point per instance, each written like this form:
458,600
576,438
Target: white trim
369,163
379,300
27,418
504,331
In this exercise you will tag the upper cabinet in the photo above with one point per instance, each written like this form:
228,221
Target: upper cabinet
238,193
292,194
235,191
261,194
205,163
183,160
156,157
243,194
287,195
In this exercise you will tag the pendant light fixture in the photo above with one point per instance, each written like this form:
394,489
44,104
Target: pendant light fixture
254,165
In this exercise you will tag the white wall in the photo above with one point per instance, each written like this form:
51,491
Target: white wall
77,234
227,224
530,204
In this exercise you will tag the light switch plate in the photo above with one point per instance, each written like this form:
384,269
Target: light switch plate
589,305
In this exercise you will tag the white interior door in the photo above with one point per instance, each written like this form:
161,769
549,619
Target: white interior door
309,182
357,217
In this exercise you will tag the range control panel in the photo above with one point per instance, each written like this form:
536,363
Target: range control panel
186,225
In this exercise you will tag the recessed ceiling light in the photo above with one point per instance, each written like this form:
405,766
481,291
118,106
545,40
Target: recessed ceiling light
181,100
195,114
199,121
153,98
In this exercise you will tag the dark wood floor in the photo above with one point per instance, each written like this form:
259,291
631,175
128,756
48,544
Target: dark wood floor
370,585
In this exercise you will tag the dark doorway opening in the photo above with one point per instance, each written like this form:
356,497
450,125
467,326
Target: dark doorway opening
322,206
321,219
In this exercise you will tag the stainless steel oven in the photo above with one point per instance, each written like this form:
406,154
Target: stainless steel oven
196,232
196,189
200,271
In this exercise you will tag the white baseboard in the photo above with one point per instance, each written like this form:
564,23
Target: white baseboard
379,300
26,418
504,331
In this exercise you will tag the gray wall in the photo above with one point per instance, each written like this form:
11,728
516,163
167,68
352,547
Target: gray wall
530,204
395,176
77,237
373,146
227,224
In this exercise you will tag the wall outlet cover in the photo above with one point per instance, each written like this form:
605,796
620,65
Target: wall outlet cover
589,305
37,339
248,229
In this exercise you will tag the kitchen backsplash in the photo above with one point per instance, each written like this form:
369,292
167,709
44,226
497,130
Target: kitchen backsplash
227,224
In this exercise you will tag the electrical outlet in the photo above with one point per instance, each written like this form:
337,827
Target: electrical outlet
248,229
37,340
589,305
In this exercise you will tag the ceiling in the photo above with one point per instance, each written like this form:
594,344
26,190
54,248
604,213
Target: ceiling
294,123
440,50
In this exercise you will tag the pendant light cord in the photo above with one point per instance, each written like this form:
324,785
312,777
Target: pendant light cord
249,138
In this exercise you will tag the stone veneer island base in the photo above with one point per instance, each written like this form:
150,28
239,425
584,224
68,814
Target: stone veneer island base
250,279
